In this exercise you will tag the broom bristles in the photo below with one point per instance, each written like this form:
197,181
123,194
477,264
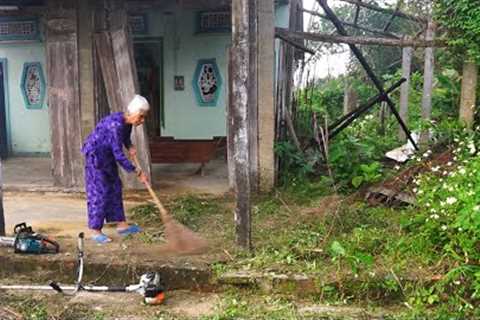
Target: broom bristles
181,239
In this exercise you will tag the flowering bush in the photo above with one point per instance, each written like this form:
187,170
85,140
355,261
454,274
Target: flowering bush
449,218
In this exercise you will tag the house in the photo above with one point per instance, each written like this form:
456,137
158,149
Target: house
58,77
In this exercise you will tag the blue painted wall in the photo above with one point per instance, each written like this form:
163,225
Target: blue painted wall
183,47
28,129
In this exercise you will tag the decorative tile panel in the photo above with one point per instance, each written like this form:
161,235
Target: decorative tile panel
33,85
207,82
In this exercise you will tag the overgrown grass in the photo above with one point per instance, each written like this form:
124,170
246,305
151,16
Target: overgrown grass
41,309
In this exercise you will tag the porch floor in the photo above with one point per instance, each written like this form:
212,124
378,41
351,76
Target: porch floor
34,174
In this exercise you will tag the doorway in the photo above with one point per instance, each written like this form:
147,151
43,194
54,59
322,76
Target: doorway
148,54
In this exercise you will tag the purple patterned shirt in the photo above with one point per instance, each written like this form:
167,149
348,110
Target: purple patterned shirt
108,139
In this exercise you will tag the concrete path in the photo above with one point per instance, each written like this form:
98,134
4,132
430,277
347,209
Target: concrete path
66,215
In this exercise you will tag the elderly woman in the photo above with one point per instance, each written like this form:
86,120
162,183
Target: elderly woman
103,149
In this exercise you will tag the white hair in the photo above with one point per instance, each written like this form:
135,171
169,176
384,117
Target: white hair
138,104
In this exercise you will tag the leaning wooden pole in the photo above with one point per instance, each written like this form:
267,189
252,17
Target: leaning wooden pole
241,89
377,83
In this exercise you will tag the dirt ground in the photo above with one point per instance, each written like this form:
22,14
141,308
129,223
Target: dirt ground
86,305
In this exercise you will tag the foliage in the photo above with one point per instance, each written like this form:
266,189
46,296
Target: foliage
449,221
187,210
462,19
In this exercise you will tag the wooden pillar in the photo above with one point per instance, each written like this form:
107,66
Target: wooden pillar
469,90
266,101
405,88
85,55
2,215
63,92
243,91
428,80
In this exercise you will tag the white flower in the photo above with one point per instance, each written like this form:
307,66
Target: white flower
435,169
433,210
476,208
444,227
397,167
415,190
462,171
434,216
449,163
451,200
428,204
472,148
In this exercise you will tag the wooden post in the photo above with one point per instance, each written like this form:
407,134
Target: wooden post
428,80
405,88
469,90
2,215
85,29
63,92
241,90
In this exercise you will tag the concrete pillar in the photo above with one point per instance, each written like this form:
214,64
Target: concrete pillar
85,56
407,54
350,99
469,90
266,109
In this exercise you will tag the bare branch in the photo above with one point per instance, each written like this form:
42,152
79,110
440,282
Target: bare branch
348,24
387,11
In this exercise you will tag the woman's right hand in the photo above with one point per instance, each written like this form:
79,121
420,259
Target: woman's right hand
143,178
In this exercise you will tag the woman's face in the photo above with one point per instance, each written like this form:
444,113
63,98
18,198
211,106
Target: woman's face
138,118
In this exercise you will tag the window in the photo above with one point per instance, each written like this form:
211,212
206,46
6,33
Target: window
18,28
216,21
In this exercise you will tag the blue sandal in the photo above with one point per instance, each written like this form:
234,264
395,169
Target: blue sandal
130,230
101,238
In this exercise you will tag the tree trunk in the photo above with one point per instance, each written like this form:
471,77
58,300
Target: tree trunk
405,88
428,81
242,87
469,90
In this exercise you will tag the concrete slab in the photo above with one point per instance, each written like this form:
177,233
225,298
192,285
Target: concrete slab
34,175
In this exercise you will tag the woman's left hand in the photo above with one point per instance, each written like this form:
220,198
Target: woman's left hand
132,152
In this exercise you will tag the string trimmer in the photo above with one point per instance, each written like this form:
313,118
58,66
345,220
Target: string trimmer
179,237
150,285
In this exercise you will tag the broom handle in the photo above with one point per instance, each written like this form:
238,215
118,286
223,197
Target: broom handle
163,212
